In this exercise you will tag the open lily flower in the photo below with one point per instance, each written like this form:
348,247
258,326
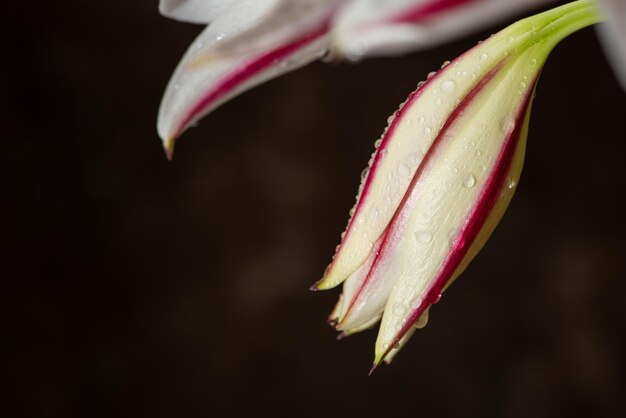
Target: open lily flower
441,178
392,27
249,42
208,75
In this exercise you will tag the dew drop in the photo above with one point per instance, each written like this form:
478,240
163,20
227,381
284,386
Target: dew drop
445,64
512,184
483,56
533,61
421,120
438,102
430,74
176,86
437,299
478,153
423,237
447,86
469,181
421,321
403,170
427,130
398,309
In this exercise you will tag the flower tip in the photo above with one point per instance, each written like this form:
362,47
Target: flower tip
342,335
377,361
314,287
321,284
168,147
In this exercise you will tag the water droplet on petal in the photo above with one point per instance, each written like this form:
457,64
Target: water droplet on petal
398,309
512,184
483,56
403,170
469,181
478,153
447,86
423,237
422,320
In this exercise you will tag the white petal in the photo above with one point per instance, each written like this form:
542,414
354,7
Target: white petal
392,27
199,86
194,11
614,35
289,19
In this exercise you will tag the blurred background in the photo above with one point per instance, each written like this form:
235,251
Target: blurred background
134,286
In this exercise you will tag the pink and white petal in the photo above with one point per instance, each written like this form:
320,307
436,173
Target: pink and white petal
613,35
194,11
289,19
199,86
367,300
392,27
455,206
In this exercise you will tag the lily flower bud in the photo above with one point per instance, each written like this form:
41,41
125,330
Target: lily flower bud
441,178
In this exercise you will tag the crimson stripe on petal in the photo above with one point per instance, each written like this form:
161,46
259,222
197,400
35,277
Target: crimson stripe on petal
427,11
247,71
472,227
384,248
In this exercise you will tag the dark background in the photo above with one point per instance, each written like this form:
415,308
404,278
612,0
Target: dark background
133,286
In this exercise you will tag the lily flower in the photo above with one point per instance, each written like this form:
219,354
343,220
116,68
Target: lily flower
447,165
248,42
441,177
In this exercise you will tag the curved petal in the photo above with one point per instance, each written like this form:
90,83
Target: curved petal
392,27
199,85
289,19
194,11
613,33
